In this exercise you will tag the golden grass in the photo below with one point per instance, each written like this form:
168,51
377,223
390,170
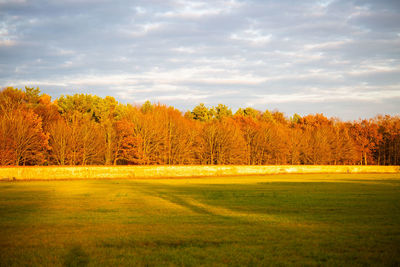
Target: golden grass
112,172
295,178
313,219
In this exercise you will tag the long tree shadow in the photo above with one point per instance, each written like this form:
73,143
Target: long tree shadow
195,200
172,197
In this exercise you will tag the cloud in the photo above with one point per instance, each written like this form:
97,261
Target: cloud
252,36
7,43
199,9
284,54
341,94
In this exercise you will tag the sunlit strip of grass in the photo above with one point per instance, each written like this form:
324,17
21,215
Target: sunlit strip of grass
254,220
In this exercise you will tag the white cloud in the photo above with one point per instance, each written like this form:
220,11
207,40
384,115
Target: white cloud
195,9
182,49
140,30
253,36
140,10
327,45
343,94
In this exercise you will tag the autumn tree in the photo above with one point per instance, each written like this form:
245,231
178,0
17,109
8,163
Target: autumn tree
128,146
388,147
12,99
47,111
149,131
87,141
60,142
107,113
100,115
7,143
273,140
83,129
23,140
295,143
248,112
317,137
249,128
180,137
221,111
223,142
202,113
343,148
366,138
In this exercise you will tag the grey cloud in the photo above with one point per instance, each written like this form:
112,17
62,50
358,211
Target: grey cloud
384,21
211,52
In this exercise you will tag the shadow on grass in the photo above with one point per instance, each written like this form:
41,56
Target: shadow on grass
76,257
179,243
22,205
171,196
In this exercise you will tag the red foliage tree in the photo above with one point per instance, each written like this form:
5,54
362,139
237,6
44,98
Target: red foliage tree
128,145
366,138
85,129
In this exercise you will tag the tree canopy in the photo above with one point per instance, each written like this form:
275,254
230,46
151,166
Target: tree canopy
83,129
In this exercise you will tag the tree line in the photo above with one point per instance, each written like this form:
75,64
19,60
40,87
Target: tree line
83,129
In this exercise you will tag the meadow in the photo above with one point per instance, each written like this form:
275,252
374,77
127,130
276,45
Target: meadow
288,219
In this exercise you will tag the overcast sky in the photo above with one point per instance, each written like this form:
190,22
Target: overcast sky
340,58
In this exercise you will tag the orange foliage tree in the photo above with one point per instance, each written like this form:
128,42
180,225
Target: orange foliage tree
128,146
84,129
223,143
23,141
366,138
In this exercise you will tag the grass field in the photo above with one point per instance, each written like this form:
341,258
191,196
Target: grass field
318,219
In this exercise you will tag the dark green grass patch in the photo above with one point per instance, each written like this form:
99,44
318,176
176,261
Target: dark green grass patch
247,221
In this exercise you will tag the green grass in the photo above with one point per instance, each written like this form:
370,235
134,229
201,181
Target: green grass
332,220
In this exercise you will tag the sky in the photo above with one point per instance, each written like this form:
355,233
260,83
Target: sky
340,58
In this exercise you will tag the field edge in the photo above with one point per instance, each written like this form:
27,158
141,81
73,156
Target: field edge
192,171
